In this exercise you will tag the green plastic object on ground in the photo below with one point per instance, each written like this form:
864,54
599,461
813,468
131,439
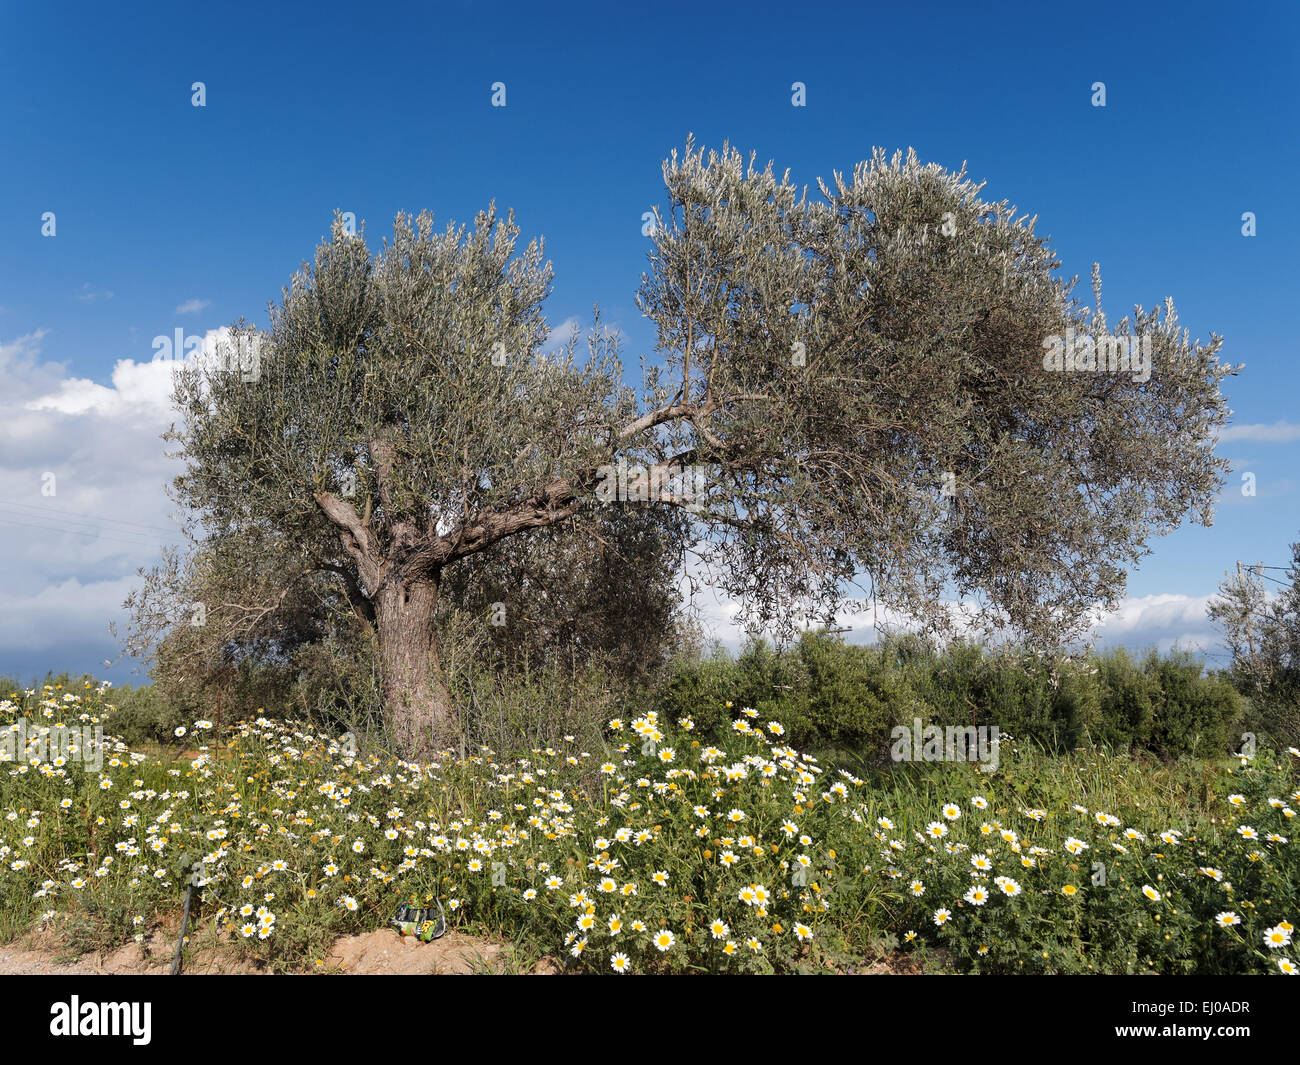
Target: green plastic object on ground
425,923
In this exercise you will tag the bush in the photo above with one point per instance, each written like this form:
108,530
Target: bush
1193,713
850,698
702,688
146,715
1129,696
835,696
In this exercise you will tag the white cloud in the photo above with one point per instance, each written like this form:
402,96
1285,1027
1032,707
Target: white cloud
89,294
193,306
71,557
138,389
22,351
1163,621
134,384
60,614
1153,612
1279,432
559,336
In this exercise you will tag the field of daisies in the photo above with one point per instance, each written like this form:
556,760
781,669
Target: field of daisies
664,852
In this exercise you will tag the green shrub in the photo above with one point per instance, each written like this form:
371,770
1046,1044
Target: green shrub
853,697
1194,713
1128,703
836,696
701,689
145,715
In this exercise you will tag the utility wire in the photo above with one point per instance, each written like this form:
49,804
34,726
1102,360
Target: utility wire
93,535
64,525
42,509
77,525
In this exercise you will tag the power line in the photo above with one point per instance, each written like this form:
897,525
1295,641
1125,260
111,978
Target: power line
73,523
80,532
64,525
85,517
96,535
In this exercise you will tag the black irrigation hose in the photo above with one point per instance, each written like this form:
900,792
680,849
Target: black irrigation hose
185,920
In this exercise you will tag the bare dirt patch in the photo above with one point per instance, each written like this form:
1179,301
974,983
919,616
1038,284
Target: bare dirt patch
38,954
387,954
379,953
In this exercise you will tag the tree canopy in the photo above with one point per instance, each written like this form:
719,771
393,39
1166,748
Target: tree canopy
859,372
1263,634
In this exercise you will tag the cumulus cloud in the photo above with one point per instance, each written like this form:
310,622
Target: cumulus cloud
1164,622
559,336
89,295
133,386
82,501
66,611
193,306
1279,432
140,390
1160,621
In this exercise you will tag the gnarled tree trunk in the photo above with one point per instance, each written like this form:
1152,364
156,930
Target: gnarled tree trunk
416,699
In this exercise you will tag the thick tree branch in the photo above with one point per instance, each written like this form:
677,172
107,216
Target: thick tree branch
650,419
554,503
355,537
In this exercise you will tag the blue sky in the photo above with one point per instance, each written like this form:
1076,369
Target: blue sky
173,216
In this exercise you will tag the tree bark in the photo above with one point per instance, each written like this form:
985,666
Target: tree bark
417,701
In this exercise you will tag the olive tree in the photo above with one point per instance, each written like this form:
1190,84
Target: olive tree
1262,632
883,381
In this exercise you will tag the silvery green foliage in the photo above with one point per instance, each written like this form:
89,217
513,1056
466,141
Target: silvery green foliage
378,374
923,312
1262,631
861,371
